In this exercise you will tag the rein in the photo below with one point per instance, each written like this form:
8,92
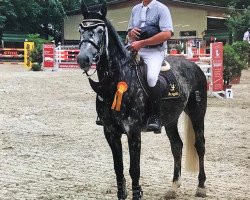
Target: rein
87,74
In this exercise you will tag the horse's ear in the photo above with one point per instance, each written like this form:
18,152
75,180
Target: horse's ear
104,9
84,9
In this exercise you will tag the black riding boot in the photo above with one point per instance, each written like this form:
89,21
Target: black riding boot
154,121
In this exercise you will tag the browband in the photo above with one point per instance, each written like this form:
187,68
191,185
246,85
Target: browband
91,23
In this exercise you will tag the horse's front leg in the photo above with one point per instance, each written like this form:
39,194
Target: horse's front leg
134,141
114,140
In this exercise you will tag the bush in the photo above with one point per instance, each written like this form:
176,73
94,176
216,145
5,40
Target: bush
242,48
36,55
236,59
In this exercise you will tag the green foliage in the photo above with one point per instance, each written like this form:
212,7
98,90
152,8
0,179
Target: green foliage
51,16
46,16
36,55
243,50
222,3
178,47
236,59
43,16
238,22
36,66
6,12
70,4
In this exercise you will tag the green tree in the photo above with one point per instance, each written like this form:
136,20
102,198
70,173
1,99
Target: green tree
238,22
6,12
69,5
33,16
26,13
51,16
223,3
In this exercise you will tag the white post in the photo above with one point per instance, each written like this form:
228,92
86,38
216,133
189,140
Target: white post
57,57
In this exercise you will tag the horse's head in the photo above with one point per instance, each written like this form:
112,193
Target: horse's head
92,36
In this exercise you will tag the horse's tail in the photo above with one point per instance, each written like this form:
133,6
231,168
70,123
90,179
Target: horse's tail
192,159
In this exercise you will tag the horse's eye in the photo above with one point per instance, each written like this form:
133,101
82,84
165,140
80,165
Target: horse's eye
100,31
80,30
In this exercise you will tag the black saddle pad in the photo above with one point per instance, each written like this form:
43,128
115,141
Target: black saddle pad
171,87
169,84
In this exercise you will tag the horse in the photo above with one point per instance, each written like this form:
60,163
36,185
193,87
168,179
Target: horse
122,102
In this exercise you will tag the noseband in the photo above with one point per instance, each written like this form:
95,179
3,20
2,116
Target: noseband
90,24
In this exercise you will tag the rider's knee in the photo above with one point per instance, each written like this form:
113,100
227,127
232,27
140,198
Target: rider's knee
151,81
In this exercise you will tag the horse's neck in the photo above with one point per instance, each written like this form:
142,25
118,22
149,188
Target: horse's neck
116,49
103,66
115,58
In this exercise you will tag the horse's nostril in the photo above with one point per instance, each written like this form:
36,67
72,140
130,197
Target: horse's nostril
87,60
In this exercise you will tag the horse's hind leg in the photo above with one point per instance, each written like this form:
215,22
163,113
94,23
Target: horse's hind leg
114,140
134,142
196,109
176,147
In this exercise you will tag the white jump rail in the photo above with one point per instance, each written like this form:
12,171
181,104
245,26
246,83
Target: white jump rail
66,57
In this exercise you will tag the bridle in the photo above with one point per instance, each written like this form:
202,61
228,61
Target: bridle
89,24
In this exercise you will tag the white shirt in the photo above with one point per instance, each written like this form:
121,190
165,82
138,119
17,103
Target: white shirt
247,36
155,13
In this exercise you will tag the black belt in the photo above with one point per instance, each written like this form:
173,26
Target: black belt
153,46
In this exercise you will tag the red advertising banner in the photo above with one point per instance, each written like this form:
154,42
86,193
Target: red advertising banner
10,52
68,65
48,55
217,65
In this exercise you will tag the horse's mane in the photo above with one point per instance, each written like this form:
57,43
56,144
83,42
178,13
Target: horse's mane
116,40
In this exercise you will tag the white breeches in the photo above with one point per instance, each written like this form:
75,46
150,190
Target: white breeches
153,58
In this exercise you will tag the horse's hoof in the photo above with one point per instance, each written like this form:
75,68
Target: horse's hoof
122,191
137,193
171,194
201,192
122,195
137,198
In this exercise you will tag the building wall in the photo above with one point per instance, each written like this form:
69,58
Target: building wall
71,25
185,18
119,18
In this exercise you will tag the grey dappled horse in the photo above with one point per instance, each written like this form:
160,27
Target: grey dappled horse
100,42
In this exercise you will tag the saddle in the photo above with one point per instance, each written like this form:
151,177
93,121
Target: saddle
168,83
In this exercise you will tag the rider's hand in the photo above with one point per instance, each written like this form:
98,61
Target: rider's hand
136,46
134,34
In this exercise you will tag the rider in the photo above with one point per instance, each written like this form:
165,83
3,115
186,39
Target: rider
151,13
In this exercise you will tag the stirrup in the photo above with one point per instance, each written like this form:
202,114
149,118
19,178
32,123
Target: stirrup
154,124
